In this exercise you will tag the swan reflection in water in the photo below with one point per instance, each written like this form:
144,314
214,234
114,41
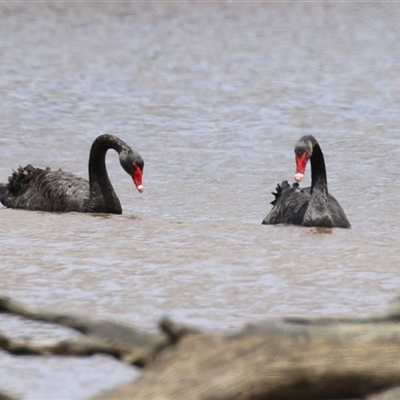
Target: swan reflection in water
312,206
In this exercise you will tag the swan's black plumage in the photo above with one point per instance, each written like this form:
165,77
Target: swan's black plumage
312,206
38,189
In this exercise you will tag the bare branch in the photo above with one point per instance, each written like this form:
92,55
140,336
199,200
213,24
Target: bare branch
280,359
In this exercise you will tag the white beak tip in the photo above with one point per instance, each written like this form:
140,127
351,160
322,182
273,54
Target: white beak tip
298,177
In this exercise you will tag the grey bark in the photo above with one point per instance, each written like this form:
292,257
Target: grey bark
286,358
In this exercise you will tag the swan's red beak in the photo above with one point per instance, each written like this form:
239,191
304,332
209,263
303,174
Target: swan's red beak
137,177
301,162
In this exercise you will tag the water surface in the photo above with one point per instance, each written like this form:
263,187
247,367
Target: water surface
214,97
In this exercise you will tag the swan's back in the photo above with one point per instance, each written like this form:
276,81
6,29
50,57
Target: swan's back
338,216
45,190
291,204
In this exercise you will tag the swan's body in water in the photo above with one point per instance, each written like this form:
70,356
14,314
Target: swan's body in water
38,189
312,206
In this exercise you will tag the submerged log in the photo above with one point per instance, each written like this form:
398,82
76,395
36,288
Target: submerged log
286,358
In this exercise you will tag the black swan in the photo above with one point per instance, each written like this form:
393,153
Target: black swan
38,189
312,206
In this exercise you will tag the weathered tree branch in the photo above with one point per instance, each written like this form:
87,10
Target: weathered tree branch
288,358
82,347
122,341
275,362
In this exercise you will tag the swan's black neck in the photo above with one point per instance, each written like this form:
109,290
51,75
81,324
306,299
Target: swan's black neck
103,198
318,170
318,212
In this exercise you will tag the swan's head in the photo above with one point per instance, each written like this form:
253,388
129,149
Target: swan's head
133,164
303,152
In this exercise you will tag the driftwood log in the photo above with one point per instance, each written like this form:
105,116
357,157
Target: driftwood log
286,358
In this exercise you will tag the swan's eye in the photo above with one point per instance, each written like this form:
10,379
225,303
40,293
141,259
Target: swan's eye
301,152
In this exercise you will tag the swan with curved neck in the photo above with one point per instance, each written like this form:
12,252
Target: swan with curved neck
312,206
46,190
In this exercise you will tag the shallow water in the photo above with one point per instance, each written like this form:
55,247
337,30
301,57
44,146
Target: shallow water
214,97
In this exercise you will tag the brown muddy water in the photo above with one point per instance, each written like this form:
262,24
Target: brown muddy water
214,97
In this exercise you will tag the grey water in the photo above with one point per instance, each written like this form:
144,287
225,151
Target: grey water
214,97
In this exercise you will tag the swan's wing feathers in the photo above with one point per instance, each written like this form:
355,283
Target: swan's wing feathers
19,189
280,187
19,179
44,190
66,191
289,205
